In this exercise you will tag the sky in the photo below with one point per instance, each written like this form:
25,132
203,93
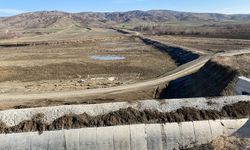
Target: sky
13,7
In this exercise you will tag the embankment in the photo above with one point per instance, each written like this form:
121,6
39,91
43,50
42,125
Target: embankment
179,55
146,125
123,113
213,79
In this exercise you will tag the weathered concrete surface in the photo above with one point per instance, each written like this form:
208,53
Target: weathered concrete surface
129,137
15,116
242,86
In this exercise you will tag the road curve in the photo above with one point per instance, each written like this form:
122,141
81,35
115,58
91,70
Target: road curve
179,72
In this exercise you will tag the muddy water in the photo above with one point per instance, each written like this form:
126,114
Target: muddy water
107,57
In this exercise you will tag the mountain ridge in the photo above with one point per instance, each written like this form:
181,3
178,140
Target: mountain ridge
47,18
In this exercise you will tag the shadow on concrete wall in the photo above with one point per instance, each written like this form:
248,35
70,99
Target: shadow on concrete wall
244,131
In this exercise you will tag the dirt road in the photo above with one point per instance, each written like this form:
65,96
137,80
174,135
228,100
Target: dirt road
177,73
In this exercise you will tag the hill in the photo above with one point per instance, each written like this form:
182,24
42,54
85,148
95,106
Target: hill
55,18
152,21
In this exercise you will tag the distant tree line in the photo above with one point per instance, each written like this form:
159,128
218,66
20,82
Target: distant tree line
194,30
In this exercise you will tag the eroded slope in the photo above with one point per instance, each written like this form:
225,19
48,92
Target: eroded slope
216,78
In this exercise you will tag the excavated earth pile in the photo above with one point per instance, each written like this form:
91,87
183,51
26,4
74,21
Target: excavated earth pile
150,124
129,116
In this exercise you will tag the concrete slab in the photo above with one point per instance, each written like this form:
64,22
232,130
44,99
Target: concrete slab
72,139
56,140
104,138
203,133
129,137
87,138
217,128
154,136
15,141
242,86
231,126
121,137
187,134
39,142
173,136
138,137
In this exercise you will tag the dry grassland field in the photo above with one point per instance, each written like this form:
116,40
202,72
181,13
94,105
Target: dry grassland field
241,63
175,76
205,44
77,59
51,52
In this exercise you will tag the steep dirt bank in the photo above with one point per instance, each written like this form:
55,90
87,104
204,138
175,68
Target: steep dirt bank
179,55
216,78
128,116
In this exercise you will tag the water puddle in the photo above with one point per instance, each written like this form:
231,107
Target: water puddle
107,57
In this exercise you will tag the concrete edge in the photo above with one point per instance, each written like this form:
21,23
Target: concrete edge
130,137
15,116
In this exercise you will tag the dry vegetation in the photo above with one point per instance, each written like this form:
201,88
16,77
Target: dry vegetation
225,143
240,63
205,44
66,64
199,29
216,78
50,51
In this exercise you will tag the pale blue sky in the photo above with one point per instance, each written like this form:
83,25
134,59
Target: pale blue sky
12,7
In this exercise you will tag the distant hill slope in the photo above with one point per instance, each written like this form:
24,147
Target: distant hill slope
45,19
151,22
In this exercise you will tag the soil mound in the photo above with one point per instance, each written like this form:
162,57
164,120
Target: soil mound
127,116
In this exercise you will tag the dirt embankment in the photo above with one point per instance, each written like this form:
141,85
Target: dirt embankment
128,116
179,55
214,79
225,143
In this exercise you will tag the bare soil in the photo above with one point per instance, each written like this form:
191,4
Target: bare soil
128,116
216,78
57,62
225,143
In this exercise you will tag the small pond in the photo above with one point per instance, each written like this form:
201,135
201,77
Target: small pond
107,57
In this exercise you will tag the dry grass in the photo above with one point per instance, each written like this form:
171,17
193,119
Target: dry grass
230,143
240,63
206,44
225,143
67,61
